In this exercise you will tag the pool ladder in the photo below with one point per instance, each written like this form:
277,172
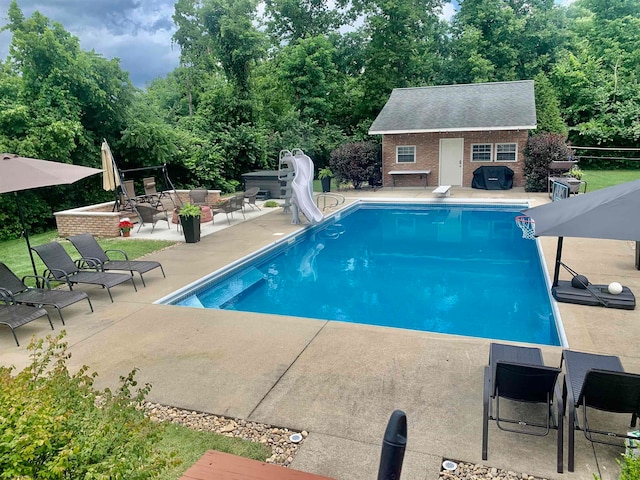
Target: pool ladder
332,197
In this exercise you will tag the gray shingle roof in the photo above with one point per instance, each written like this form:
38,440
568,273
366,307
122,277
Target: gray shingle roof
469,107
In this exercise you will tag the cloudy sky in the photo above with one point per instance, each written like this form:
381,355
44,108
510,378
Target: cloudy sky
138,32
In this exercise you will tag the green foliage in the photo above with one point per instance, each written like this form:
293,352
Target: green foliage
629,467
189,210
271,204
547,108
57,426
356,162
325,173
539,152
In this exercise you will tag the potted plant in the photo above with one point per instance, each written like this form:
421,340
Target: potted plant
190,220
125,226
325,175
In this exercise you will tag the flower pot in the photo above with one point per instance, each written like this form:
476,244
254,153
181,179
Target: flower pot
326,184
191,228
126,233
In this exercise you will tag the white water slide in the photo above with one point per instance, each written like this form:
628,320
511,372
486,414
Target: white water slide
302,189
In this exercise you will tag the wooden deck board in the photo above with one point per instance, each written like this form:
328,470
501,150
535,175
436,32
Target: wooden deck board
224,466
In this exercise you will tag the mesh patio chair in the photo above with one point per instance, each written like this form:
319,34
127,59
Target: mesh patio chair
199,197
598,382
518,374
152,215
14,316
90,249
250,197
62,268
23,294
230,205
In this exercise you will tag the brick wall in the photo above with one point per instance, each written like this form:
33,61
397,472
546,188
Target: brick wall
101,221
428,155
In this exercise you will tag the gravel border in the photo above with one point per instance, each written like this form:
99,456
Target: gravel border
472,471
283,450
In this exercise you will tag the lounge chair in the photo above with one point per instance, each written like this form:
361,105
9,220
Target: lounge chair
151,194
62,268
519,374
14,316
90,249
151,214
581,292
23,294
597,382
250,197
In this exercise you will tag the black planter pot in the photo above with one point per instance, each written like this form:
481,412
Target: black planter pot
191,228
326,184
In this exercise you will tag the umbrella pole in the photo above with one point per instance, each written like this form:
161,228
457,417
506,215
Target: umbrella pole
25,232
556,272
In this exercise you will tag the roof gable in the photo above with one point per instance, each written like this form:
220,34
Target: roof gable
450,108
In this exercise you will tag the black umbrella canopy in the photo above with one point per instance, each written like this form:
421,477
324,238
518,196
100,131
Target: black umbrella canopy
611,213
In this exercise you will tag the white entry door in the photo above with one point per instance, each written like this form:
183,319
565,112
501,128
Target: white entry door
451,150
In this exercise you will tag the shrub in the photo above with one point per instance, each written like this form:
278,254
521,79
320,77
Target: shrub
539,152
356,162
629,467
271,204
55,425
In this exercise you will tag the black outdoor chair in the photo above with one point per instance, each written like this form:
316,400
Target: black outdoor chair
598,382
14,316
519,374
62,268
91,250
23,294
250,196
152,215
230,205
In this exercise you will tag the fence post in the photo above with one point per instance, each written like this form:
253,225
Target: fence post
393,447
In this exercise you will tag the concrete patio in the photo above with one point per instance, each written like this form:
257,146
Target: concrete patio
338,381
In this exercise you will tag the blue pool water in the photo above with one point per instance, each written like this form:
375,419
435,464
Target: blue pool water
457,269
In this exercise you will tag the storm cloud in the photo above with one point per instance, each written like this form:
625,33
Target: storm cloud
138,32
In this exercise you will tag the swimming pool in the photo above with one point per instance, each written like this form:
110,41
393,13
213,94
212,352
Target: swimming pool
449,268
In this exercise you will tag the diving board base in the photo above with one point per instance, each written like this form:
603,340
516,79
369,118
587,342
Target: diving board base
442,191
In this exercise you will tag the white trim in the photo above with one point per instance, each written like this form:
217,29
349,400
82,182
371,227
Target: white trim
461,129
495,156
415,154
481,161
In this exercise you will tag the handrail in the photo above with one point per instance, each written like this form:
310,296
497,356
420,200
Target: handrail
339,199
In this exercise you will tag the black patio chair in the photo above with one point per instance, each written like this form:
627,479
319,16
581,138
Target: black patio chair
23,294
62,268
14,316
91,250
519,374
250,196
152,215
598,382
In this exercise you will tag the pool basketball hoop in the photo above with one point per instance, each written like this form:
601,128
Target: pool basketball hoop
528,227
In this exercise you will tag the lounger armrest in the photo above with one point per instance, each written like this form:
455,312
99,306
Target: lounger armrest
89,263
6,296
122,252
38,278
52,272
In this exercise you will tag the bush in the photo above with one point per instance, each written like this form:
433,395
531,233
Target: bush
55,425
539,152
356,162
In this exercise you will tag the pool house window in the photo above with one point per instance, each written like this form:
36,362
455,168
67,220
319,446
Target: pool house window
506,152
406,154
481,152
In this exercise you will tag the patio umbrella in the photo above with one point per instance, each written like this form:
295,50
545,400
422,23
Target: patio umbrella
111,177
610,213
22,173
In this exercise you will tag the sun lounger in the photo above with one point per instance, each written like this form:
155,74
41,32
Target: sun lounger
519,374
597,382
62,268
14,316
595,295
23,294
90,249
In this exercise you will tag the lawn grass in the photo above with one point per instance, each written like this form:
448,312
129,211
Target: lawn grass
15,255
597,179
189,445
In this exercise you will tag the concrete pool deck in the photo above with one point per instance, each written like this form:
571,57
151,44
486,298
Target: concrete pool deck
338,381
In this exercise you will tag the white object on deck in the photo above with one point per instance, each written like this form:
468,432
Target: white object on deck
442,191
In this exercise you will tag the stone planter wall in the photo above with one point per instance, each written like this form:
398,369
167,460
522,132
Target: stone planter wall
99,220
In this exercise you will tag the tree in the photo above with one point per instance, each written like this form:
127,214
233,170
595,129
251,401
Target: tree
539,153
356,162
547,107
